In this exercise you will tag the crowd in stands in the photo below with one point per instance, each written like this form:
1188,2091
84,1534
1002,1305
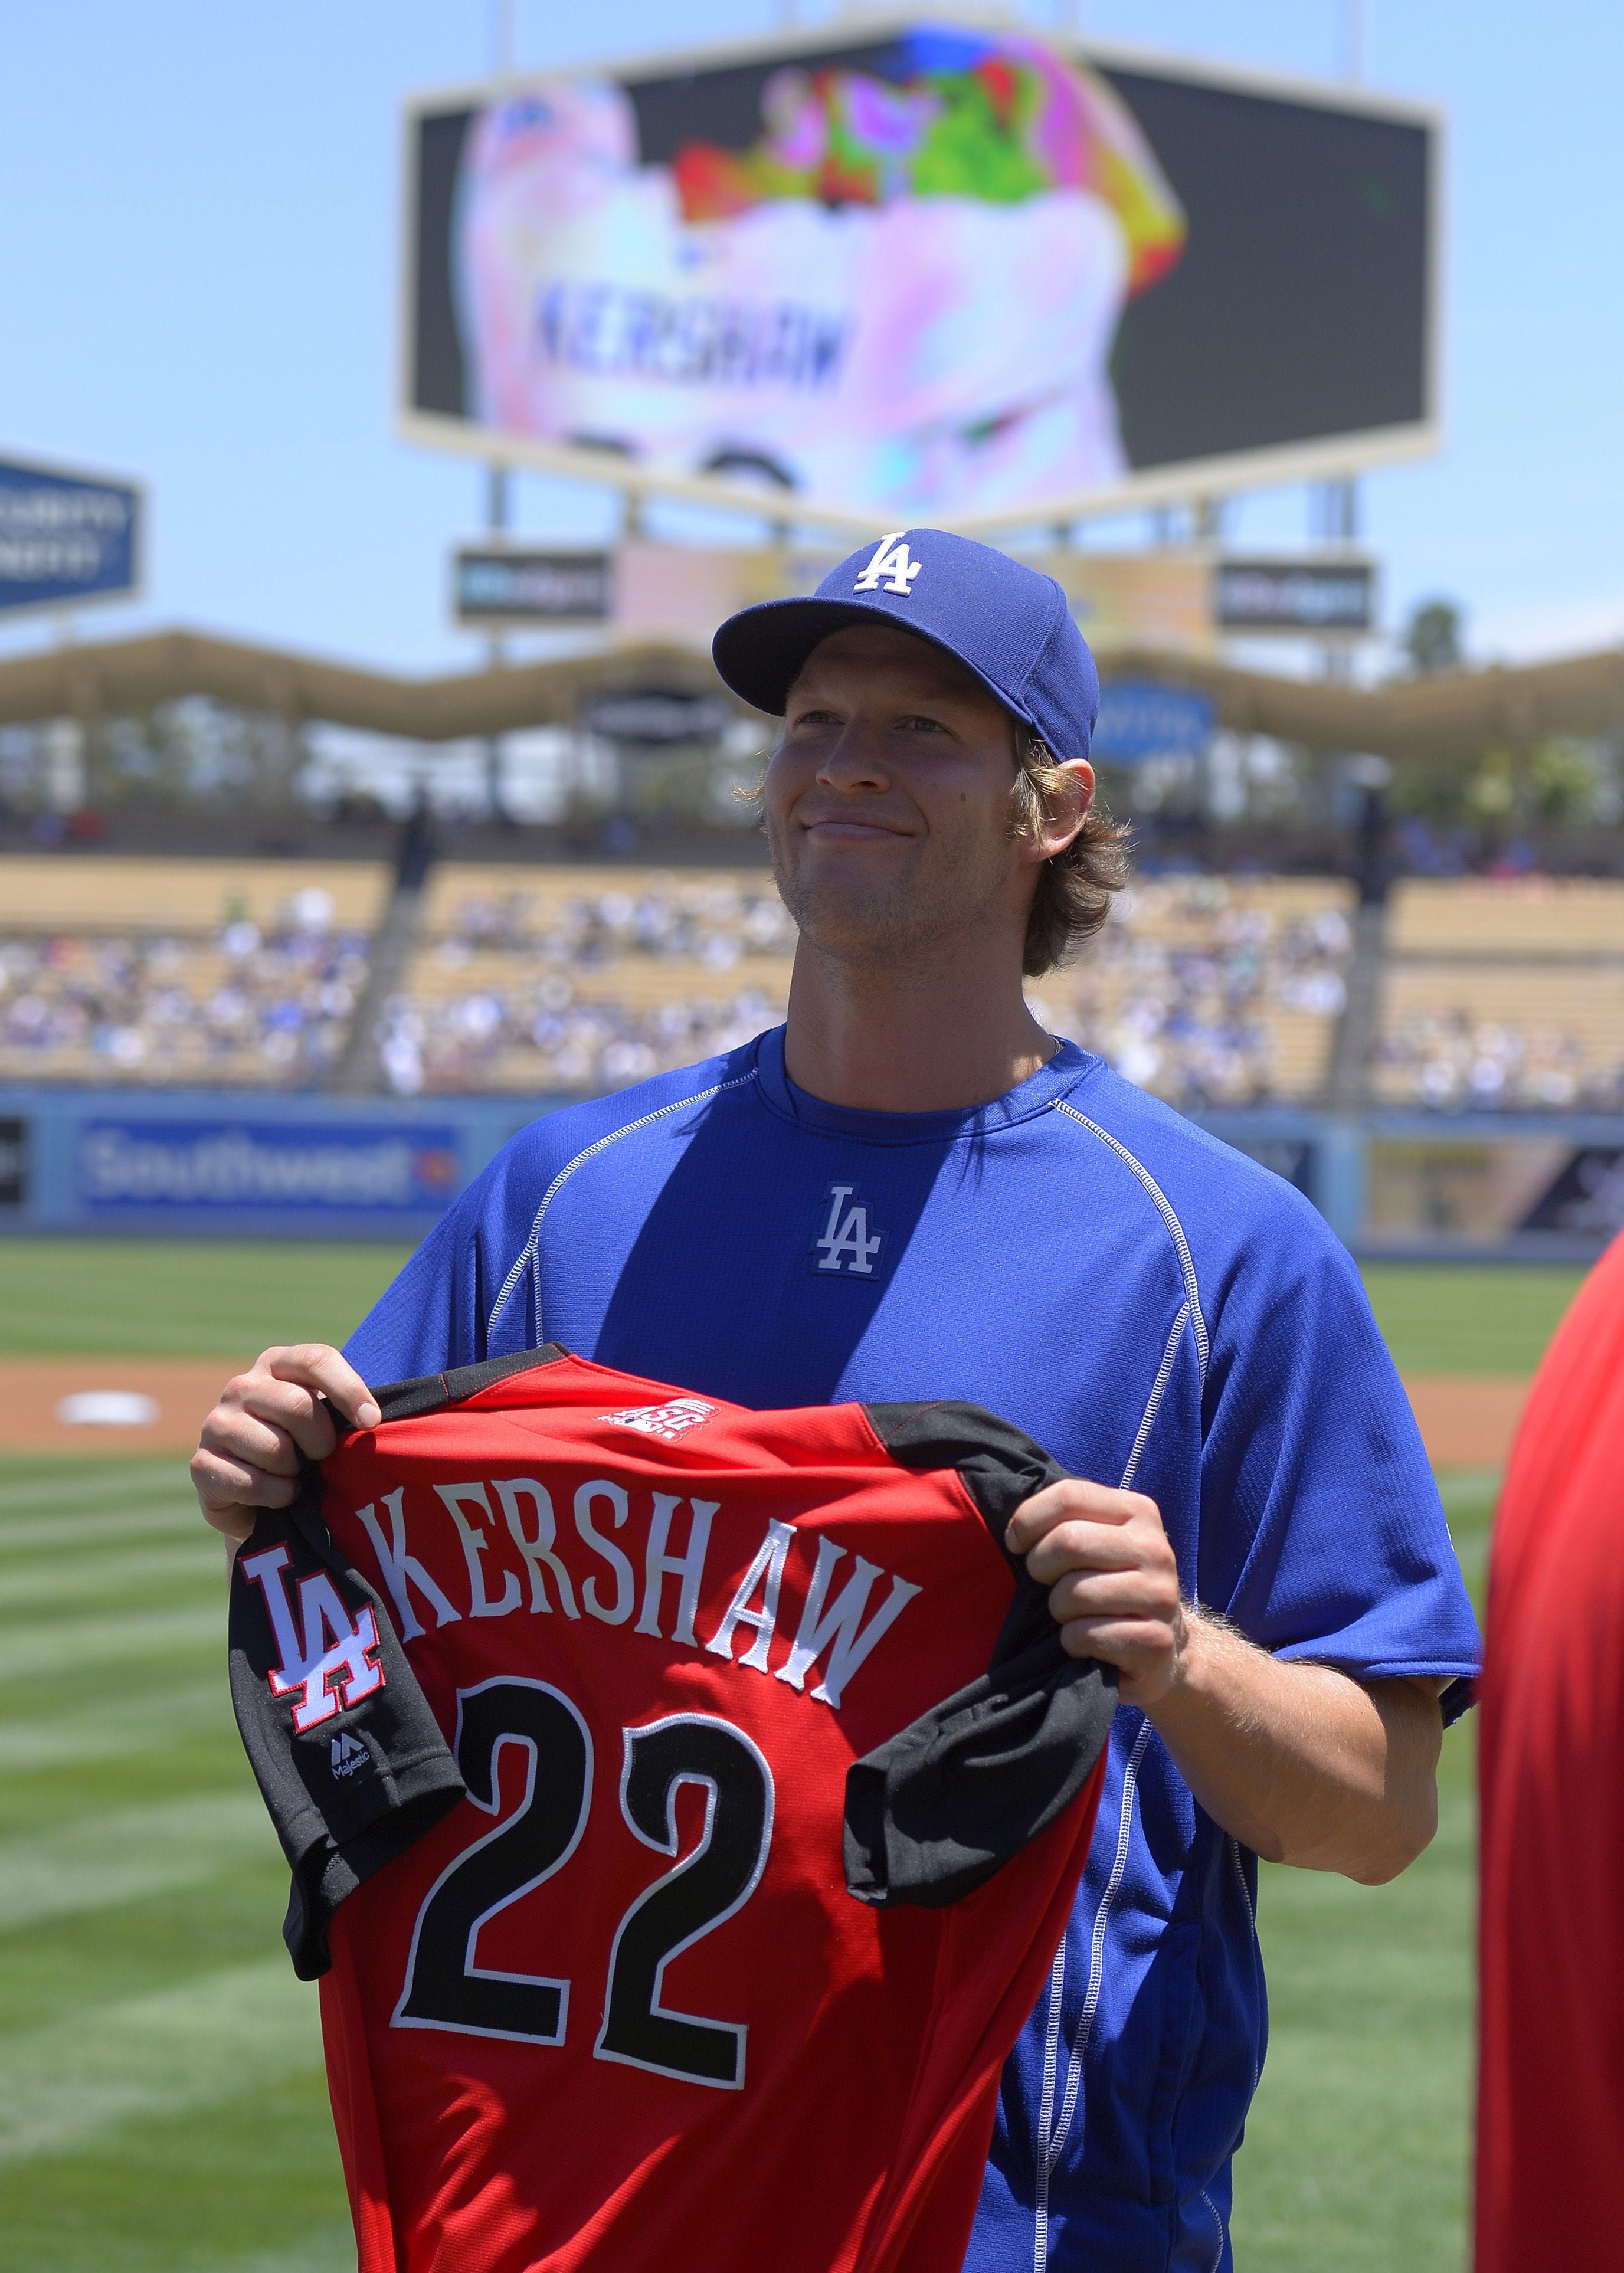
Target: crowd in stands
1450,1058
584,985
1503,993
1212,990
707,920
543,1037
268,1006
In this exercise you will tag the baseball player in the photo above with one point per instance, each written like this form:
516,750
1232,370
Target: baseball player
911,1191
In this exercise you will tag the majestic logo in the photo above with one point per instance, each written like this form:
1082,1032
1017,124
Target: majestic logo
349,1754
665,1421
333,1661
891,561
846,1246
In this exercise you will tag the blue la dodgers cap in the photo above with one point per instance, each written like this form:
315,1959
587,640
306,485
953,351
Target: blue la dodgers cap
1008,623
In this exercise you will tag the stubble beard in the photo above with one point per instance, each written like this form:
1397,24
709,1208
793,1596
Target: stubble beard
901,922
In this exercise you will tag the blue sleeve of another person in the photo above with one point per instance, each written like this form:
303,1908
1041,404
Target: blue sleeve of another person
1323,1533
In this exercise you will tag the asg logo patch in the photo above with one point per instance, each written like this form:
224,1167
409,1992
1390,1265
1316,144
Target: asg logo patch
666,1422
333,1661
890,562
847,1247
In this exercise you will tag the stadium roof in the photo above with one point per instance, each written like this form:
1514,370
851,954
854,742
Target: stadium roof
1407,718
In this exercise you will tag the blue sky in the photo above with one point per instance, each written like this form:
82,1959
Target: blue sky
198,280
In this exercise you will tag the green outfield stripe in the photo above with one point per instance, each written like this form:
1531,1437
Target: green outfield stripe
223,2038
60,1645
107,1483
1464,1487
330,2249
65,1582
149,1722
126,1855
44,1534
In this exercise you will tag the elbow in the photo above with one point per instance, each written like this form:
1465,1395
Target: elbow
1405,1832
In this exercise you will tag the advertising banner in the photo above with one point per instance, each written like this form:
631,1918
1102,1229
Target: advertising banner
923,272
494,585
235,1166
1295,596
65,539
1587,1194
1139,718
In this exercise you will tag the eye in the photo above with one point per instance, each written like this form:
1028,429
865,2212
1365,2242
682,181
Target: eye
813,718
923,725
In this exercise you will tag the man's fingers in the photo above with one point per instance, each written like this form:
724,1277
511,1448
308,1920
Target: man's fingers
229,1491
240,1433
1074,1500
1076,1546
1114,1641
315,1365
1146,1597
270,1423
267,1420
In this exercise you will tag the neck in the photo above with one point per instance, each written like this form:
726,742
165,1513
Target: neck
909,1041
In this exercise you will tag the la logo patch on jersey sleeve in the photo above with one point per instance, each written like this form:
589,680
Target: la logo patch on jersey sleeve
890,563
332,1663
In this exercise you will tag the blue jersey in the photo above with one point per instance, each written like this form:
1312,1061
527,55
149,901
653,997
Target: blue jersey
1159,1312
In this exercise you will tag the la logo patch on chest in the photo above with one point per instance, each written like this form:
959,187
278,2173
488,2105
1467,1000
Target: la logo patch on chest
850,1245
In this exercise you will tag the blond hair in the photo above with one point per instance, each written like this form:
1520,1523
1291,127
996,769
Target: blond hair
1076,885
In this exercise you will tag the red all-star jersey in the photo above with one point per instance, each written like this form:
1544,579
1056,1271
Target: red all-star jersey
691,1802
1551,2100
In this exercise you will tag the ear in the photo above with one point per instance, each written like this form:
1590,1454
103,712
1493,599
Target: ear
1067,808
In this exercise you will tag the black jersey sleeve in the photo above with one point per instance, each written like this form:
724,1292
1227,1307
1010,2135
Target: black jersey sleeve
931,1814
356,1789
348,1794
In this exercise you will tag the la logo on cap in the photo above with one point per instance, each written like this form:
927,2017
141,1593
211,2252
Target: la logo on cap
891,561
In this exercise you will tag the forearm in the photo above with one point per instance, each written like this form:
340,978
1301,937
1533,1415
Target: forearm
1299,1762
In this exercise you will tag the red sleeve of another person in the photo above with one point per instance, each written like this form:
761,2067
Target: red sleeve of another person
1550,2095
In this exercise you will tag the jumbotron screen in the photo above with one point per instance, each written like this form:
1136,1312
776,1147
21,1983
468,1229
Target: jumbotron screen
938,274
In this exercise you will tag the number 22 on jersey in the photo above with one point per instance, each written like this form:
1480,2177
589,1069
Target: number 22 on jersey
446,1987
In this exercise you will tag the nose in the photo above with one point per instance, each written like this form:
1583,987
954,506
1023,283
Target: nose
854,761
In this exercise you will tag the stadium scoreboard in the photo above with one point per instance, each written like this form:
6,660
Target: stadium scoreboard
1127,279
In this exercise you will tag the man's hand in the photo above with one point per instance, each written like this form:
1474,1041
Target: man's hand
267,1420
1112,1579
1300,1762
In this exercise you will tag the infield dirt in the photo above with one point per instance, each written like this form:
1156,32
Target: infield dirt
1466,1421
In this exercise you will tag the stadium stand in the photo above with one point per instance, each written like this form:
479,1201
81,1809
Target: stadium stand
584,978
1214,990
1211,991
1503,993
243,972
1208,990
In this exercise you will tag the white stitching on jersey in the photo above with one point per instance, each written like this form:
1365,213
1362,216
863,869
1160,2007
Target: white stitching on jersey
531,1253
1052,2145
1046,2104
1218,2222
1176,1230
1157,1395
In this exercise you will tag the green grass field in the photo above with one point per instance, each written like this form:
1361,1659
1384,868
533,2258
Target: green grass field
162,2103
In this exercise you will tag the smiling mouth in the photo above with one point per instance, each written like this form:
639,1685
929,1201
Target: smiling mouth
852,830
